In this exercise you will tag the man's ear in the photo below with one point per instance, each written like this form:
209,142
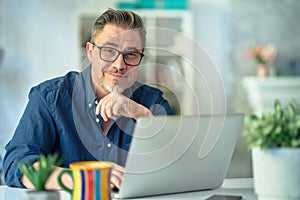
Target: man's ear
89,51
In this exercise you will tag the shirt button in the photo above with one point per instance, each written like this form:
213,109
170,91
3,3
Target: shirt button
108,145
90,105
97,120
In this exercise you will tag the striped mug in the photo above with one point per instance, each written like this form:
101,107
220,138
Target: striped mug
91,180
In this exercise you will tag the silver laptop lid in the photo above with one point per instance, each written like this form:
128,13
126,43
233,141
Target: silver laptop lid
171,154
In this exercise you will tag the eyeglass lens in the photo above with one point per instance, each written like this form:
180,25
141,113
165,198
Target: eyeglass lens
110,55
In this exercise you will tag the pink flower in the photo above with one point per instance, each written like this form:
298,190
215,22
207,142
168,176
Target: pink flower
261,54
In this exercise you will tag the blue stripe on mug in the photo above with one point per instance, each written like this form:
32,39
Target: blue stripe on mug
82,184
97,184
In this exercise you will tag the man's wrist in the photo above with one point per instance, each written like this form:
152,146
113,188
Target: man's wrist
144,112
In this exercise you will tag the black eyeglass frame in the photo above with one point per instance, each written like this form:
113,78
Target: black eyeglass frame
119,53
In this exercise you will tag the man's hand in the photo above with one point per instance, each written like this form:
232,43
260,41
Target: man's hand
116,104
117,173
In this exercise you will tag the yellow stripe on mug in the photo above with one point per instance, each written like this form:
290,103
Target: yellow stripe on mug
91,180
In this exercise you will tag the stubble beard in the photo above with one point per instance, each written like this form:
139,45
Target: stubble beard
115,88
116,84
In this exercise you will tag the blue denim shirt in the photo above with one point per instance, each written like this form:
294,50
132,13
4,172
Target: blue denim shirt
60,117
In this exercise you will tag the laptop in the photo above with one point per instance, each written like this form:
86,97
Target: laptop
173,154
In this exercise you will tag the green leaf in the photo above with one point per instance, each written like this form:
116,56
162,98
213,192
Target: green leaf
38,177
279,127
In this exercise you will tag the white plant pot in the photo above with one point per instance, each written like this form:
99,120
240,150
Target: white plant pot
41,195
276,173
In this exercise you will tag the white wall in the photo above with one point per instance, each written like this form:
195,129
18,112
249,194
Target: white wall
40,41
213,31
39,37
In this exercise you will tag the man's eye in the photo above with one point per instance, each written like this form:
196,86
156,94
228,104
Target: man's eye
109,51
132,55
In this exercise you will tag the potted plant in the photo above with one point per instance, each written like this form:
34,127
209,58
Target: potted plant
39,176
274,138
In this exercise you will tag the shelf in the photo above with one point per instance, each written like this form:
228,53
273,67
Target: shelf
262,92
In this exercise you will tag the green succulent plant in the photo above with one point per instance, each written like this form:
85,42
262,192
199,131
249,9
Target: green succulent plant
39,176
277,127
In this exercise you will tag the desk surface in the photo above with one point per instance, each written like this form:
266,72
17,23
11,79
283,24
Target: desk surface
243,187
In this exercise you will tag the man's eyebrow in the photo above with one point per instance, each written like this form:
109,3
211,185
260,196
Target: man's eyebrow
130,48
110,44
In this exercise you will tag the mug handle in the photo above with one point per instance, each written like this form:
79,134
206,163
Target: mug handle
60,183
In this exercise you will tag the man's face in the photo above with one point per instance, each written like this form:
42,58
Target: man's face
116,75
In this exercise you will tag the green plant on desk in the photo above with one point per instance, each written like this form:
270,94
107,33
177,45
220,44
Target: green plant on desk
274,138
274,128
39,176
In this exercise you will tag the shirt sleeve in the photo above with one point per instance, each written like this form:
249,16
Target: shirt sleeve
161,107
152,98
34,135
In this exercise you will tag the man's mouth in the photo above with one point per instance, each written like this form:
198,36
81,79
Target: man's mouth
117,76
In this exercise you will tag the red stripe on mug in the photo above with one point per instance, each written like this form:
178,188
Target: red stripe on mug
90,185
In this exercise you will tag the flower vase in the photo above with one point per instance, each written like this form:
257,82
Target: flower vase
262,71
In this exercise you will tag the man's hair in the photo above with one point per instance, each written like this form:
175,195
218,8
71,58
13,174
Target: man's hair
121,18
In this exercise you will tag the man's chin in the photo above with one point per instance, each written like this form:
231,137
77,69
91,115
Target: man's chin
115,88
118,89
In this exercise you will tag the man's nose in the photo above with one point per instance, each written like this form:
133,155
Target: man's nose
119,63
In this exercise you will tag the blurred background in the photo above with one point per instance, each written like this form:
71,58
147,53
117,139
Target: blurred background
40,40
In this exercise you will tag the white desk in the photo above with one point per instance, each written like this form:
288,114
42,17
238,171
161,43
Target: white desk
243,187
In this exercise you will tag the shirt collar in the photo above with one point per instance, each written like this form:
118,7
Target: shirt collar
87,85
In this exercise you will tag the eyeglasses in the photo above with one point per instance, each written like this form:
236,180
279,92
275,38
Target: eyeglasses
109,54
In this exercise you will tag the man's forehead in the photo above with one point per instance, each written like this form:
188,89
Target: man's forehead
134,39
116,35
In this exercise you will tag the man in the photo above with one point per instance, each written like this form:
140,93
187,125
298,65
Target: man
88,115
